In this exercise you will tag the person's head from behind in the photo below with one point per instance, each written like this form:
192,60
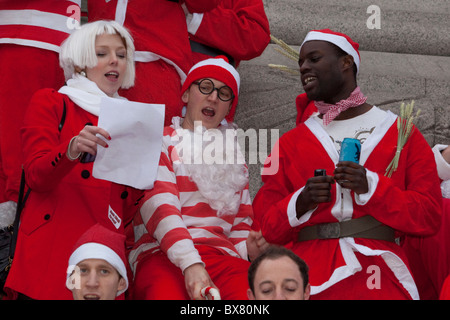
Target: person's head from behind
103,52
329,63
210,92
278,274
96,268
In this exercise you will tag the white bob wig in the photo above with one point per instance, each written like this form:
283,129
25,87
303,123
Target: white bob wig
78,50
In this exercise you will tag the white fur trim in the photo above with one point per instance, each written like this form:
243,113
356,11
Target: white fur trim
443,167
352,266
121,11
219,63
193,22
377,135
292,211
36,18
147,56
337,40
372,180
32,43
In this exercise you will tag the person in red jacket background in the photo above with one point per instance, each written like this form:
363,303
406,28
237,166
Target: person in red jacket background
65,199
430,256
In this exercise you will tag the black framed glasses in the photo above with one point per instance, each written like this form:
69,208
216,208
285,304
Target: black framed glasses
206,86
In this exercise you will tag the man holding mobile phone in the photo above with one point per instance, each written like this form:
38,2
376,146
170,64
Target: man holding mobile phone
344,224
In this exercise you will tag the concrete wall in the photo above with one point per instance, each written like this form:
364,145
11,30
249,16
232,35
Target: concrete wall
407,26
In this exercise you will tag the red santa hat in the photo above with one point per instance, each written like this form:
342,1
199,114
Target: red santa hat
217,68
99,242
339,39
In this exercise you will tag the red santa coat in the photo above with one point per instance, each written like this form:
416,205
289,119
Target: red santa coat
163,56
30,35
305,108
445,292
409,202
65,199
238,28
429,257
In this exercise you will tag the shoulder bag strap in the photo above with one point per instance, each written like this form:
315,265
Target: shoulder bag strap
23,197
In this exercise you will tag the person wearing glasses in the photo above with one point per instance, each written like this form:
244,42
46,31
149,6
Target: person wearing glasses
194,230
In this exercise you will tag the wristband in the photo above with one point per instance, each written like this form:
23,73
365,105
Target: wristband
68,151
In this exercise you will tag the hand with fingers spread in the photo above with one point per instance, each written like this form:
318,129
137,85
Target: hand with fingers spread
352,176
317,190
87,141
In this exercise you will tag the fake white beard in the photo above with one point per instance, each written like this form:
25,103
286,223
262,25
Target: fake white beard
213,160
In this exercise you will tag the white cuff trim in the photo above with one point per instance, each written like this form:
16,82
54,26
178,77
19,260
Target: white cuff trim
443,167
194,22
372,180
292,211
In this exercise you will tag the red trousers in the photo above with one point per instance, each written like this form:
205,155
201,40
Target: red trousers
24,70
157,278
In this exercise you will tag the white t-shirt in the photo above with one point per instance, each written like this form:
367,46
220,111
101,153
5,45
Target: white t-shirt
359,127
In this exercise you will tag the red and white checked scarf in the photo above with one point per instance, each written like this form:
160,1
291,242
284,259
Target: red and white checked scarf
331,111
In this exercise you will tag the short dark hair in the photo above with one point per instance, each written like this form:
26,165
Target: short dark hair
275,252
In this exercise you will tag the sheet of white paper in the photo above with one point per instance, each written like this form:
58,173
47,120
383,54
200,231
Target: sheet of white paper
133,153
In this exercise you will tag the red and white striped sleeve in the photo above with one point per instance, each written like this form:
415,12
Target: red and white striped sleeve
242,224
161,215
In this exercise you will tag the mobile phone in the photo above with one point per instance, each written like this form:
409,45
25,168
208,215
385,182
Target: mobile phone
320,172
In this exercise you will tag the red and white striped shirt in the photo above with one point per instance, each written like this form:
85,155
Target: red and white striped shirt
175,217
37,23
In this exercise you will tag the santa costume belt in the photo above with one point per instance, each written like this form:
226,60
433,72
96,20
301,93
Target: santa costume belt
366,227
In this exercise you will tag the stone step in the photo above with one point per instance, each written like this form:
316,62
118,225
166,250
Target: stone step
406,26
